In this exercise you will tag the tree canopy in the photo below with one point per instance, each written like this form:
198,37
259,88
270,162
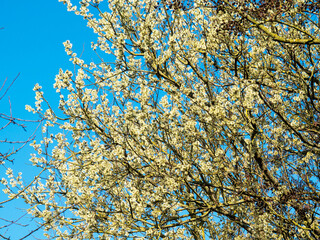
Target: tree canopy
205,124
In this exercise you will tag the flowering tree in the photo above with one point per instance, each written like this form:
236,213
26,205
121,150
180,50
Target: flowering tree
204,126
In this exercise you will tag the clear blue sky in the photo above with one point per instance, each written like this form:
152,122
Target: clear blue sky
31,44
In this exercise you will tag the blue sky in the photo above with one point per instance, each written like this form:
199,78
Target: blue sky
31,44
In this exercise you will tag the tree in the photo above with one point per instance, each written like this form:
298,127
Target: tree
204,126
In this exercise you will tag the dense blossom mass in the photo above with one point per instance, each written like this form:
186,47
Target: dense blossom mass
200,121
